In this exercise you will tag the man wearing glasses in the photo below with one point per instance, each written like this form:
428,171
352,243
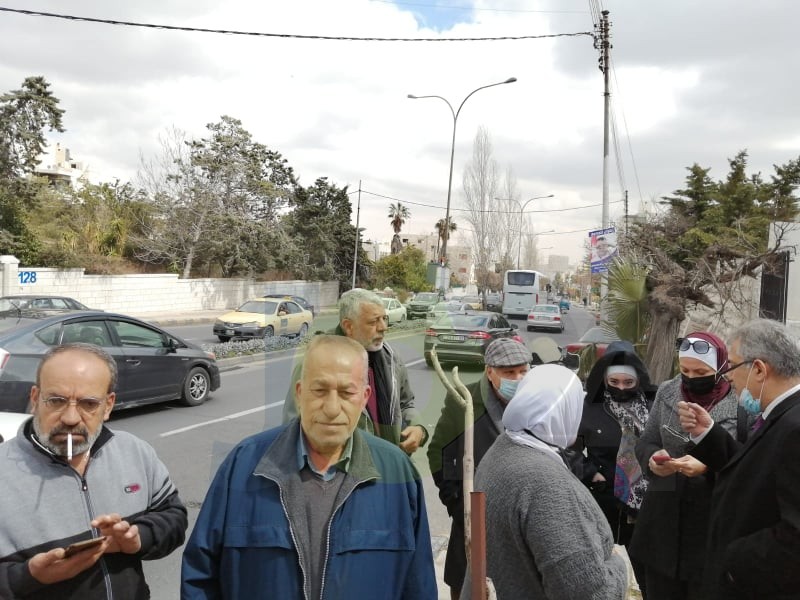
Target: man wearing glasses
754,532
68,479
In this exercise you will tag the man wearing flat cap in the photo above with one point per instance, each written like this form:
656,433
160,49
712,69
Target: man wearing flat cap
507,361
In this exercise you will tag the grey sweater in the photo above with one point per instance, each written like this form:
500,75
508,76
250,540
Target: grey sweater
546,536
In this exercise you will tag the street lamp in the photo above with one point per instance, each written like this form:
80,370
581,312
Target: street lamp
443,250
522,210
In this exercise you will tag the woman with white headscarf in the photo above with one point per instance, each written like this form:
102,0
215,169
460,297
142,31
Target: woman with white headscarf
546,537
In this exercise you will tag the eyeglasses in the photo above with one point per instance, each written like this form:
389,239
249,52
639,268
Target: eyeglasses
733,367
87,406
699,346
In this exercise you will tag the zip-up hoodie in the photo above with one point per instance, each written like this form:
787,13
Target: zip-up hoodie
250,539
47,504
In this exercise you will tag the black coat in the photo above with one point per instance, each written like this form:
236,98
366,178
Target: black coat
600,434
754,530
445,456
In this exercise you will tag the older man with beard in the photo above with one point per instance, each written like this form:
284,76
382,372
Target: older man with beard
67,479
390,412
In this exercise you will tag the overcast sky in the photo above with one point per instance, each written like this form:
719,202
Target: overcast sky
692,82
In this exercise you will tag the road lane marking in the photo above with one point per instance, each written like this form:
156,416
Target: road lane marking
415,362
243,413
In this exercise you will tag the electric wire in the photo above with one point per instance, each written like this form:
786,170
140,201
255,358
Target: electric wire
37,13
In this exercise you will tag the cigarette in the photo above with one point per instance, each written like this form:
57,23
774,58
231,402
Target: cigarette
69,446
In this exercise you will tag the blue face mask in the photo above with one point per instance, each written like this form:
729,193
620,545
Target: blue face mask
508,387
751,405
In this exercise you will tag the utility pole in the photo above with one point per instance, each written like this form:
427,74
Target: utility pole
355,251
605,66
626,212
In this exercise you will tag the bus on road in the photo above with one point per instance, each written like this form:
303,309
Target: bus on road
521,292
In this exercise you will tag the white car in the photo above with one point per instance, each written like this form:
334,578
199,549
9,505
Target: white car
9,424
394,310
443,308
546,316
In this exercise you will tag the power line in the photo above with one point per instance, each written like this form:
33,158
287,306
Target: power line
476,9
35,13
504,212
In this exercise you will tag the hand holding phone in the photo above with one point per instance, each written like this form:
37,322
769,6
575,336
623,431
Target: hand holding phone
660,459
77,547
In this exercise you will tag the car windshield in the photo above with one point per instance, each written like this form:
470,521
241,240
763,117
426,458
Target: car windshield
456,321
265,308
472,299
386,302
545,308
13,303
426,297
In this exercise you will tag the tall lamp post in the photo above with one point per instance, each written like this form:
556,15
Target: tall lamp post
521,211
455,113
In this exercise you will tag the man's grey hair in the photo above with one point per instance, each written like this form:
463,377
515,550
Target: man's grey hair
351,301
772,342
335,344
97,351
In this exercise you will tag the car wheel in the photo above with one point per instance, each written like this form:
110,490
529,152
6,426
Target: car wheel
402,318
269,331
196,387
303,330
223,338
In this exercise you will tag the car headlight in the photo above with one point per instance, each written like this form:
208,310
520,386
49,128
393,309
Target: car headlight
249,324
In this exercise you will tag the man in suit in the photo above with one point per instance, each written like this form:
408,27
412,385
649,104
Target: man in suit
754,533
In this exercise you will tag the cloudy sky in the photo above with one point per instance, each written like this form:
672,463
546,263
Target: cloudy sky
691,82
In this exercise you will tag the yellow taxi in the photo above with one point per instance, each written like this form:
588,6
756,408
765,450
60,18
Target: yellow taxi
263,318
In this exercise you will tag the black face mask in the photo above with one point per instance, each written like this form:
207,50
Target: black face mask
699,385
618,395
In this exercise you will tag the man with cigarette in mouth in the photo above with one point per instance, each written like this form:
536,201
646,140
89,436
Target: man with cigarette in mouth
67,479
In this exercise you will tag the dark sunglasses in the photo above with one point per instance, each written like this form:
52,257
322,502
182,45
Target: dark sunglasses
699,346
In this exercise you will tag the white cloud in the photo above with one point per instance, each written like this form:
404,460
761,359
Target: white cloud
696,83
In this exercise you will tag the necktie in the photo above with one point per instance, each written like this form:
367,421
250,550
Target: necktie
758,423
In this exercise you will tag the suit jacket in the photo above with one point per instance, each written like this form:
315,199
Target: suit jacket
754,531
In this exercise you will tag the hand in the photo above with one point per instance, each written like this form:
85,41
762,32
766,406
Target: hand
598,477
665,469
412,438
695,420
123,537
689,466
52,567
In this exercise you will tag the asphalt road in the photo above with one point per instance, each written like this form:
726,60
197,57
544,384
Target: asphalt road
192,441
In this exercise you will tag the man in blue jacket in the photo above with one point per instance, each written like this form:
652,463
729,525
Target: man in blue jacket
316,508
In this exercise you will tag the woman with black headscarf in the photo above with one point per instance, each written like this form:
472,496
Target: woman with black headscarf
615,412
670,534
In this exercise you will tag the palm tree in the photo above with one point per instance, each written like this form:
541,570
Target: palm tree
397,216
444,232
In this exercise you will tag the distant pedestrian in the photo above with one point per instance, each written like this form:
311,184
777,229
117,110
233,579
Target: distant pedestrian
507,362
585,302
546,538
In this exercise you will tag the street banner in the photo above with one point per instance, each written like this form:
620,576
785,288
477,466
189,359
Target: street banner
603,244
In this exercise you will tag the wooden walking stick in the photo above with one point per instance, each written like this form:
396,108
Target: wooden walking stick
476,555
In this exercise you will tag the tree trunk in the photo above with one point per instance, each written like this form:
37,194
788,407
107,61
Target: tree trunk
660,357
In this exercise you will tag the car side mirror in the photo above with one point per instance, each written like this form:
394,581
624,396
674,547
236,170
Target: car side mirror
514,326
172,346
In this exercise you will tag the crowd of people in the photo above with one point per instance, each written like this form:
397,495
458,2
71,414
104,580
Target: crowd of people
691,488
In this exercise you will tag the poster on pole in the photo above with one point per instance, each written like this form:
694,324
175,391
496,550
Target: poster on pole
603,245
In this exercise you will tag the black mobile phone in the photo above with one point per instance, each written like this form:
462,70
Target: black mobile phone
77,547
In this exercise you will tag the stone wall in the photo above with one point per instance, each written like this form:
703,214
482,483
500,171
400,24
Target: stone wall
154,293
